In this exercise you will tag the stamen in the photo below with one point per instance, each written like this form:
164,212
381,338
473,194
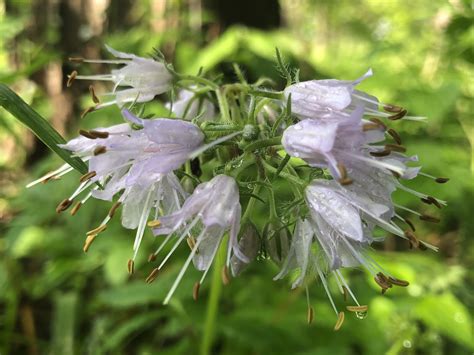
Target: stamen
131,266
114,208
76,208
382,281
418,194
370,127
395,148
97,230
422,246
99,134
434,201
154,224
99,150
310,312
361,308
394,134
382,153
88,242
412,239
428,218
398,116
340,320
151,257
64,205
398,282
71,78
410,224
93,95
342,171
346,181
76,59
87,111
191,243
441,180
392,108
225,275
426,200
87,176
378,122
86,134
153,275
196,287
344,293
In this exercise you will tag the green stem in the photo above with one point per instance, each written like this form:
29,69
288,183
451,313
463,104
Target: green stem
264,93
287,176
263,143
199,79
223,105
213,301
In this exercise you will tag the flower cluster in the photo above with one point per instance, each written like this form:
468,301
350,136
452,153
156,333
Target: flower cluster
186,176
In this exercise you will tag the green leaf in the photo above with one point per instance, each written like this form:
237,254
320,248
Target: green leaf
38,125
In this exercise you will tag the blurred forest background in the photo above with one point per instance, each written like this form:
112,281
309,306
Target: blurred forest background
54,299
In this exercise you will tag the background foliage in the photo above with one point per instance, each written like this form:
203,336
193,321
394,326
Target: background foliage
55,299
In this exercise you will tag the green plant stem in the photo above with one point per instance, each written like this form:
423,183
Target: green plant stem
278,95
287,176
198,79
213,300
263,143
223,105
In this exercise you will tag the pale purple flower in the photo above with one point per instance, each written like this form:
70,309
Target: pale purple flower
189,106
205,216
143,78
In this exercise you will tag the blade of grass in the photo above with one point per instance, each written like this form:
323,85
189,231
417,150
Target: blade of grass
14,104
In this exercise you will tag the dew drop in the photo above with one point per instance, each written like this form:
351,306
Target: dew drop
361,315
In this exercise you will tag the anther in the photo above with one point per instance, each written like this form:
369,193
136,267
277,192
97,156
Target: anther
345,293
196,288
378,122
225,275
99,150
412,239
398,116
412,226
346,181
87,111
392,108
71,78
86,134
398,282
76,59
114,208
192,243
99,134
395,174
428,218
426,200
342,171
87,176
88,242
130,266
434,201
152,276
76,208
97,230
395,148
340,320
151,258
422,246
63,205
154,224
441,180
382,281
370,127
310,315
394,134
93,95
362,308
382,153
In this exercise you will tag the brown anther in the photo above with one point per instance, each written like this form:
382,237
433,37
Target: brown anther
382,281
76,59
310,315
441,180
392,108
398,282
395,174
346,181
345,293
196,287
362,308
86,134
225,275
99,134
426,200
151,257
422,246
340,320
410,224
97,230
434,201
395,148
428,218
370,127
153,275
88,242
71,78
130,266
87,176
398,116
87,111
114,208
382,153
342,170
379,122
394,134
412,239
191,242
64,205
154,224
93,95
76,208
100,150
